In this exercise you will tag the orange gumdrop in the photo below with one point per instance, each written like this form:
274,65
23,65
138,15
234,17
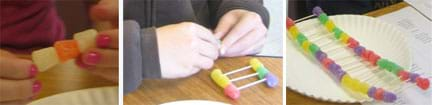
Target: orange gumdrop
67,49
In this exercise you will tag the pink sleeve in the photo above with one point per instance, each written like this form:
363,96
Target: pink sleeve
26,25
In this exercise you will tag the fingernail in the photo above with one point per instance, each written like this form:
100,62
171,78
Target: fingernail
80,63
222,50
36,87
92,58
33,71
219,43
103,41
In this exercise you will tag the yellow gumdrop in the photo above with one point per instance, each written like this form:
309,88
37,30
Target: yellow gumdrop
346,80
363,88
355,84
306,45
86,39
344,38
219,78
294,32
45,58
255,63
330,25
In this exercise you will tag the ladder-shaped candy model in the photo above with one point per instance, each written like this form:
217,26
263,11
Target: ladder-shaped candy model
350,84
368,55
231,90
64,50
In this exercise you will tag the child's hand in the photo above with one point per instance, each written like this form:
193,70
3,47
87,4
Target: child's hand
242,33
103,60
185,48
17,83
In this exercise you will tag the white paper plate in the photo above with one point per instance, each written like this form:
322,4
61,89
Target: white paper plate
306,76
93,96
194,102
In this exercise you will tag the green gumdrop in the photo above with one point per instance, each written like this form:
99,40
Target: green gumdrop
390,66
337,32
382,63
394,68
314,48
323,18
301,38
396,71
262,72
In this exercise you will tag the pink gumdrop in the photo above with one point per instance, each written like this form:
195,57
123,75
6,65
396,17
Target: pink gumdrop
232,91
423,83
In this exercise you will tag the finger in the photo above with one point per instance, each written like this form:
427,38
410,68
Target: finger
224,26
240,30
206,35
208,50
251,39
257,48
4,53
18,89
193,71
16,68
17,102
105,10
100,57
110,74
108,39
203,62
104,25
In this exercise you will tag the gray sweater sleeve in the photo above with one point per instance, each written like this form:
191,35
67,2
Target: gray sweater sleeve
141,59
224,6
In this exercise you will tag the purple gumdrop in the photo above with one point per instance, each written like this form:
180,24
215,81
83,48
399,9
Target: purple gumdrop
317,11
413,77
338,73
334,67
320,55
389,97
271,80
371,92
359,49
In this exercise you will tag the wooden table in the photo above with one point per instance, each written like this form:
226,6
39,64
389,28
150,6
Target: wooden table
201,87
65,77
294,98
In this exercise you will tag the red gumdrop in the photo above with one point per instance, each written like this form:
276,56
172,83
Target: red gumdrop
373,58
365,54
379,94
289,22
352,43
423,83
403,75
326,62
